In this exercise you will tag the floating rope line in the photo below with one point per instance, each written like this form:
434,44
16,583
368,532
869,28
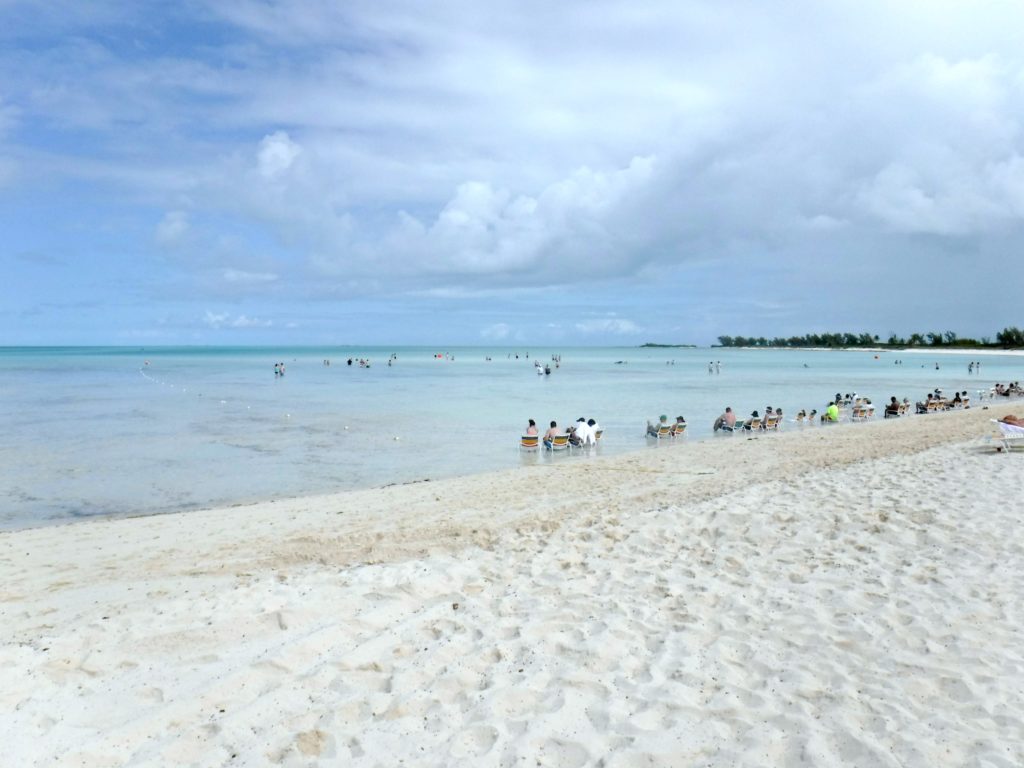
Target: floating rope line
146,375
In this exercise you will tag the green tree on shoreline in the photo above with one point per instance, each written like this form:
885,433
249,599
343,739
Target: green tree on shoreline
1011,337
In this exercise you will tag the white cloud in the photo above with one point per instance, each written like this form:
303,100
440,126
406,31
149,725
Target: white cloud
173,227
276,155
242,276
581,225
612,325
216,319
250,322
496,332
225,320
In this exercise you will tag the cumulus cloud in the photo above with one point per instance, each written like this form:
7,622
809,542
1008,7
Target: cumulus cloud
572,224
276,154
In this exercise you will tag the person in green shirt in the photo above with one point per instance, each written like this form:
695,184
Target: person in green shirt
831,413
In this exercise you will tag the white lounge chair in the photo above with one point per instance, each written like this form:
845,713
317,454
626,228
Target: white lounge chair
1010,435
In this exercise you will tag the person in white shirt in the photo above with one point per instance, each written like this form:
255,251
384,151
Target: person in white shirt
584,433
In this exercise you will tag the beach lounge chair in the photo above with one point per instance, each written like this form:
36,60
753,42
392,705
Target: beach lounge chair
597,435
771,422
664,430
859,413
529,442
678,429
558,443
1010,436
753,426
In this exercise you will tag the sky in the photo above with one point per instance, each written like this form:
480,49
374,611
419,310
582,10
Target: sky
507,173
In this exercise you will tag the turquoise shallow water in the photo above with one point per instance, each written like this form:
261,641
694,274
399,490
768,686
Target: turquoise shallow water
98,431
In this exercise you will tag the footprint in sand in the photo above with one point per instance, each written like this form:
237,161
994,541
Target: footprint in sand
513,703
474,742
566,754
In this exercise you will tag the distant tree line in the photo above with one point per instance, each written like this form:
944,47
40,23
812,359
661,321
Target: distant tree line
1008,337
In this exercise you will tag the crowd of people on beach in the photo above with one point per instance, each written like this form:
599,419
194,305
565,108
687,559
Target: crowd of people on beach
728,422
580,433
937,401
854,408
663,427
842,407
1013,389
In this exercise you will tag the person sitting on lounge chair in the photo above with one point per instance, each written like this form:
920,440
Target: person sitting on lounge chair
582,433
727,421
831,413
680,426
748,424
893,408
551,434
532,428
1012,421
652,429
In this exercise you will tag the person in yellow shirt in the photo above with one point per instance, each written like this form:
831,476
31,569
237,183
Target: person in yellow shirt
831,413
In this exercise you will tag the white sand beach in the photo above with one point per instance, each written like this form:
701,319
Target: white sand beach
831,596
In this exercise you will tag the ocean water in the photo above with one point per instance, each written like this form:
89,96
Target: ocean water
128,431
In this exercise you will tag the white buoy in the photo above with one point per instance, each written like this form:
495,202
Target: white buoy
346,426
396,437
